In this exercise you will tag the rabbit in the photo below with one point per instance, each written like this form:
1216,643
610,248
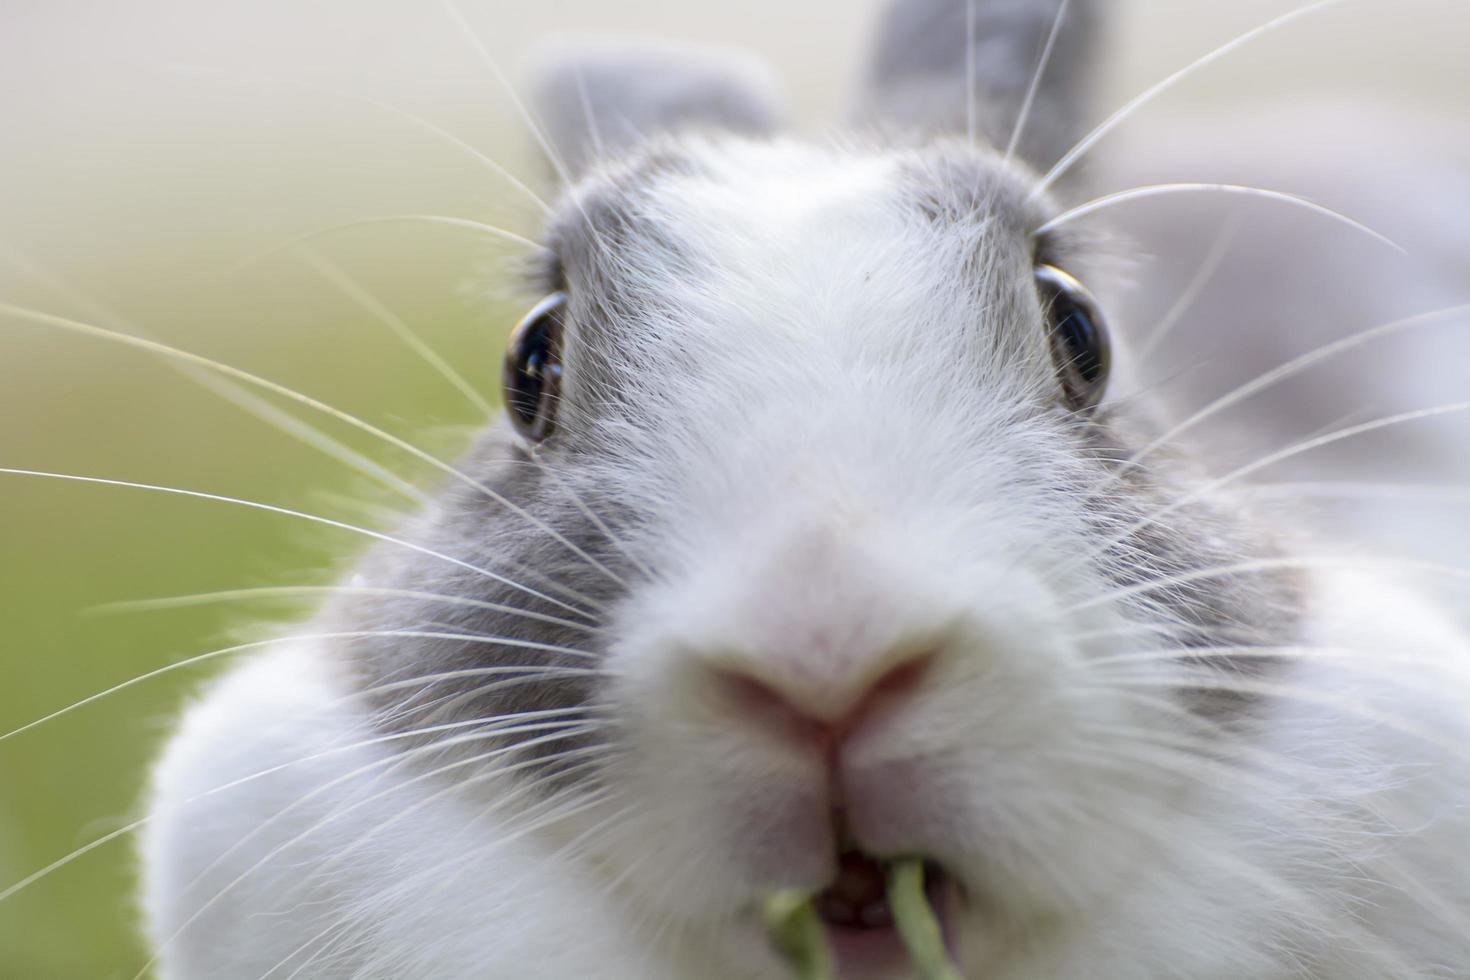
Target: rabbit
817,534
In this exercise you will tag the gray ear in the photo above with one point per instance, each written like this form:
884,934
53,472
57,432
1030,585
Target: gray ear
917,81
601,99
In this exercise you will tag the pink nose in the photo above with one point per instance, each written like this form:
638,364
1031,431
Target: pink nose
825,717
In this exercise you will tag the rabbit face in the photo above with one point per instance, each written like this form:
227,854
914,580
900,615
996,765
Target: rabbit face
857,555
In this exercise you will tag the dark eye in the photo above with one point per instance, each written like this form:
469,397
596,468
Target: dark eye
532,373
1078,335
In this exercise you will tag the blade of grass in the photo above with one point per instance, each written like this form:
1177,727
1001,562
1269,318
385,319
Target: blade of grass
797,932
916,922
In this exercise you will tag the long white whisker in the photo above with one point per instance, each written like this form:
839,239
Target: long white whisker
558,731
1296,366
236,394
301,515
501,801
128,340
1186,759
593,129
1112,122
446,703
515,673
970,93
590,514
288,591
1186,662
1270,564
1349,706
537,132
123,831
1357,490
489,62
1131,629
444,134
1208,267
342,924
1025,112
258,644
487,161
1197,187
448,221
333,815
1270,460
1181,757
354,290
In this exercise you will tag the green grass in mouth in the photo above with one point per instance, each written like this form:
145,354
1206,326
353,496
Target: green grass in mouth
797,932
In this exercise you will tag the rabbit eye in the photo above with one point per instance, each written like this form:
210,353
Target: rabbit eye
532,372
1078,336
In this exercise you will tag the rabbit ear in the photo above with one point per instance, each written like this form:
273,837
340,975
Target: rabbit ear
596,100
937,62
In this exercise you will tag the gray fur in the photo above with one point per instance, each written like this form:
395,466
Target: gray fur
604,98
916,84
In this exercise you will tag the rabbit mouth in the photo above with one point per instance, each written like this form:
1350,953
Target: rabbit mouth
859,922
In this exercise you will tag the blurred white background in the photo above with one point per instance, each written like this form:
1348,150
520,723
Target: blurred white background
198,128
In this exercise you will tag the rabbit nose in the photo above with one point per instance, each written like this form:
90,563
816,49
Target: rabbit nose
820,711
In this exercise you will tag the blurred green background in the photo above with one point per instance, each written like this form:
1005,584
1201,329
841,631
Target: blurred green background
148,148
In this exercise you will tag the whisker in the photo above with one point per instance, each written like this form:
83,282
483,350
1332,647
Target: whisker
1271,459
505,800
1131,629
1296,366
335,814
1354,490
1349,706
343,924
347,418
489,162
446,704
1213,259
313,518
508,677
1188,662
590,514
1180,757
1024,115
258,644
1113,121
287,591
1271,564
456,866
80,852
354,290
195,72
138,824
236,394
593,129
1304,813
557,731
538,133
970,93
448,221
1196,187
